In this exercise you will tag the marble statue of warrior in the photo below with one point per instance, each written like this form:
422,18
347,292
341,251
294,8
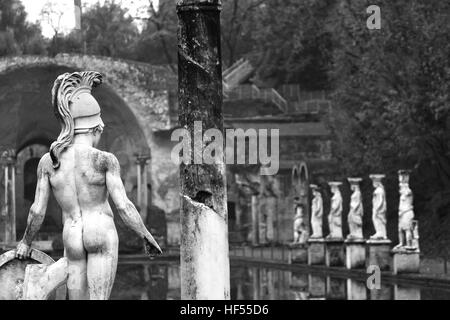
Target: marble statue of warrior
378,208
356,212
405,213
82,178
335,215
300,230
316,213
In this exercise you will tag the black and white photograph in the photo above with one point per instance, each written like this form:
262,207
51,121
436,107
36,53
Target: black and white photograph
227,150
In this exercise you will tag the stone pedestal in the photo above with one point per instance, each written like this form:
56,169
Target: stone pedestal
378,253
355,253
402,293
334,252
316,252
405,262
298,253
356,290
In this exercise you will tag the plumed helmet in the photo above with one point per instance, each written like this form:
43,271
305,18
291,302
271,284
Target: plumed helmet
74,94
74,107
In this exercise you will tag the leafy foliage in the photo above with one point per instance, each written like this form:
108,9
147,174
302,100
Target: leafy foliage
109,31
157,43
17,36
292,43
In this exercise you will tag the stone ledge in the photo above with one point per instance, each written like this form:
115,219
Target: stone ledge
378,241
355,241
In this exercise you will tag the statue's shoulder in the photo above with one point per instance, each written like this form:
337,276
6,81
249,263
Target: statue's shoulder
106,161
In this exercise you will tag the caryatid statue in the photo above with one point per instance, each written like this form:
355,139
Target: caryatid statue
405,213
82,178
355,215
379,208
335,215
316,213
300,229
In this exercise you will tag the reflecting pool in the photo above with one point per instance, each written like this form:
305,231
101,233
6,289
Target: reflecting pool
161,281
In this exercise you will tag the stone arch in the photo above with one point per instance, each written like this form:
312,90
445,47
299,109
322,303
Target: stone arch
133,98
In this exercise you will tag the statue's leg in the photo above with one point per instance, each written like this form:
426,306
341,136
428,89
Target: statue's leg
101,269
374,222
409,237
379,229
77,286
401,238
351,229
296,236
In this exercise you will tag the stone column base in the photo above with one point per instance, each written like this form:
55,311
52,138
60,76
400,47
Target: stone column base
334,252
378,254
298,253
405,262
355,253
316,251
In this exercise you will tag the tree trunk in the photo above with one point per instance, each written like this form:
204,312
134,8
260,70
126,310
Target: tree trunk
205,272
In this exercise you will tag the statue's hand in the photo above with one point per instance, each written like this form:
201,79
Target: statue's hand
23,251
151,246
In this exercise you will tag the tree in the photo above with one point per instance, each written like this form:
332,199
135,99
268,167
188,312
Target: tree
157,42
109,30
292,42
106,29
238,19
18,36
52,12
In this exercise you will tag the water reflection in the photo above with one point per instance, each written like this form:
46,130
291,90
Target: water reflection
356,290
161,281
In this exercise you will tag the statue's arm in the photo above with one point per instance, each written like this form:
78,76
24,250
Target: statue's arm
38,208
126,209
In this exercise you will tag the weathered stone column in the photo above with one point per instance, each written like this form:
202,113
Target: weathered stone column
142,190
8,161
205,271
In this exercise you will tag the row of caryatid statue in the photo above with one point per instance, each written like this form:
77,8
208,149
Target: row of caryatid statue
408,229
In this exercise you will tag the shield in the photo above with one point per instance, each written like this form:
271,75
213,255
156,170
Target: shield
12,274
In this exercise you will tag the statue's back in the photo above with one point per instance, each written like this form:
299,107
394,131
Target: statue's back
79,184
